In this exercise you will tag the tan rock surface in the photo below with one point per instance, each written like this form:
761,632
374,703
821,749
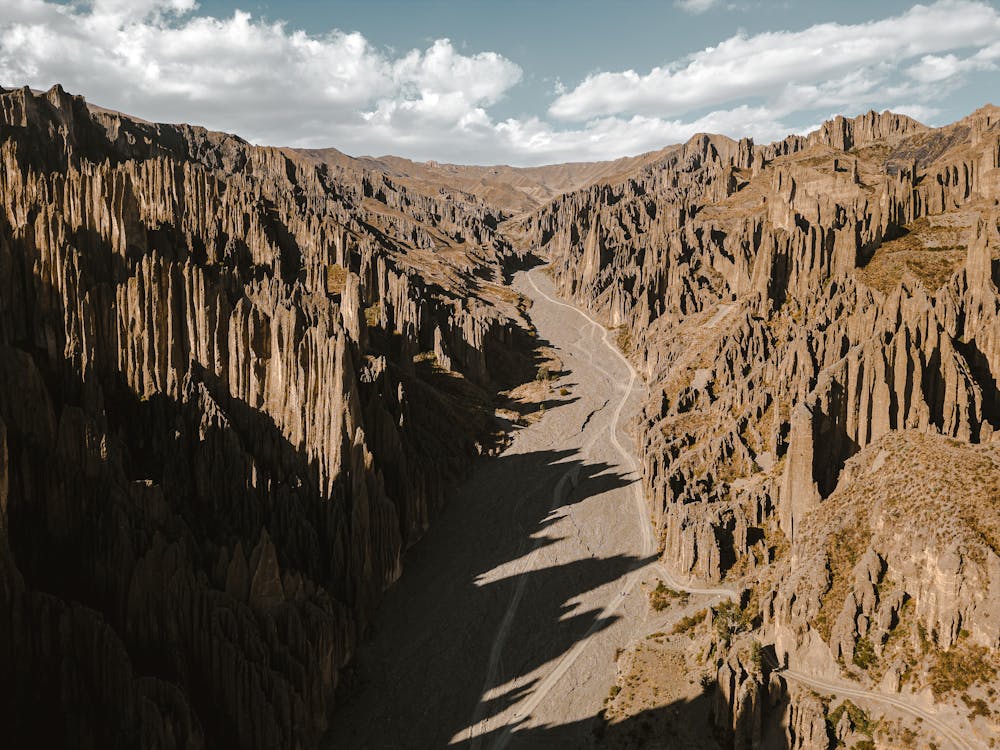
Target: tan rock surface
793,306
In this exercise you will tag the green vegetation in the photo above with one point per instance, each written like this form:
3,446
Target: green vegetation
729,619
662,597
864,654
859,720
959,668
689,622
977,707
757,655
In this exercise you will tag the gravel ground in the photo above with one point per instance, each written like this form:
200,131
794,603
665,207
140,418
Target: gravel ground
503,628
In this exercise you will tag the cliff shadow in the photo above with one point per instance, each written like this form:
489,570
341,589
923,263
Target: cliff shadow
485,599
95,506
684,724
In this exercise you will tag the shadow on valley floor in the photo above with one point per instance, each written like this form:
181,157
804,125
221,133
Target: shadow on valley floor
680,725
425,670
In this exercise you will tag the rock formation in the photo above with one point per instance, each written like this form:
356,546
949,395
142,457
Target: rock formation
236,381
215,439
806,312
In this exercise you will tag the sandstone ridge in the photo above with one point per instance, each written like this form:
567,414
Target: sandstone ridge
235,383
810,313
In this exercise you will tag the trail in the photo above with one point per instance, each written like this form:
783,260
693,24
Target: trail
510,610
539,694
843,691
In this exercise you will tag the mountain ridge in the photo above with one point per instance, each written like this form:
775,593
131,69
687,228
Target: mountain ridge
238,382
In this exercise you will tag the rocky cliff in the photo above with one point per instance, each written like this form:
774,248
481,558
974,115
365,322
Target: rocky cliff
234,384
805,311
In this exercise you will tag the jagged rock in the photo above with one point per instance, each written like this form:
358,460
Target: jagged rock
795,307
204,484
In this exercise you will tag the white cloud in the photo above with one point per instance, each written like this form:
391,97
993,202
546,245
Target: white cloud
938,68
696,6
166,61
270,83
747,66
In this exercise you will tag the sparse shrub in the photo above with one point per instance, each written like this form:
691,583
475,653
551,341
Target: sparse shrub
959,668
729,620
373,314
864,654
690,622
707,682
977,707
662,597
757,655
860,721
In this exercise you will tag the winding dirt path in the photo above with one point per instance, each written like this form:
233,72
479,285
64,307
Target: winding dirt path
510,610
899,702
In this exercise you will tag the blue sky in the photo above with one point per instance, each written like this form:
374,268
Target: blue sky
518,81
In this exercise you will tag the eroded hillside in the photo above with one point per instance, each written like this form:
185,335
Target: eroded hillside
235,383
809,314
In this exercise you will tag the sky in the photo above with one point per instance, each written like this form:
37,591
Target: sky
520,82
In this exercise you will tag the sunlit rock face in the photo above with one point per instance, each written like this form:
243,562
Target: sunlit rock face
819,322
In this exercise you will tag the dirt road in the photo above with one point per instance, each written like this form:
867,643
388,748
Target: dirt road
510,609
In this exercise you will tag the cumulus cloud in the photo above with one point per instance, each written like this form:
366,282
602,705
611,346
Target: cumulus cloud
271,83
267,81
760,65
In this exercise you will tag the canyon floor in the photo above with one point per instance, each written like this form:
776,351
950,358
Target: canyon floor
504,627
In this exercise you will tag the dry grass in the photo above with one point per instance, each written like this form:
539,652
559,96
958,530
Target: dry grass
689,622
653,680
624,340
844,548
336,279
525,403
941,494
930,252
961,667
373,314
503,293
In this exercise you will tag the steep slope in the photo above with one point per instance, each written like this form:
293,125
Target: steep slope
234,386
791,305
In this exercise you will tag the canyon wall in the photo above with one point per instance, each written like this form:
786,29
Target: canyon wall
216,440
803,311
